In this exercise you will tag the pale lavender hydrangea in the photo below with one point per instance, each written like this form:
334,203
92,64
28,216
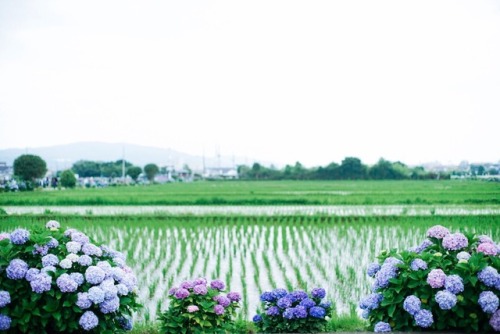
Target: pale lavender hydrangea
110,305
423,246
371,301
455,241
78,278
17,269
117,273
66,264
53,243
53,224
200,290
79,237
85,260
217,284
373,268
382,327
181,293
463,256
19,236
94,275
105,266
436,278
438,232
319,293
47,269
130,281
234,296
121,289
488,276
31,273
73,257
91,250
187,285
192,308
495,321
219,309
83,301
89,320
488,302
446,300
418,264
485,239
4,298
41,283
487,249
120,262
69,232
424,318
66,284
412,304
49,260
200,281
41,250
96,295
454,284
73,247
109,288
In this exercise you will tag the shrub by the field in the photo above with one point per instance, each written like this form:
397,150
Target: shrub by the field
449,282
296,311
199,307
61,282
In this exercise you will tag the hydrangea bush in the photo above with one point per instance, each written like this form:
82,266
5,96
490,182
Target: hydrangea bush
200,307
296,311
62,282
449,282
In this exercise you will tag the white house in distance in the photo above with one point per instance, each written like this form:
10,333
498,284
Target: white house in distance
221,173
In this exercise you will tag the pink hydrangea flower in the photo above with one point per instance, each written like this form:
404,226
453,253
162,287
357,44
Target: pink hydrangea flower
192,308
438,232
487,249
4,236
436,278
455,241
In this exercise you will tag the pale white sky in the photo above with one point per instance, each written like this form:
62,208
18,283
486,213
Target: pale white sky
281,81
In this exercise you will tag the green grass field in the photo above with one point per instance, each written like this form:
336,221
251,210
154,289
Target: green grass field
271,193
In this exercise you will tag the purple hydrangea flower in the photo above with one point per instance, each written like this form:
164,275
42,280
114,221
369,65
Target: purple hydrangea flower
49,260
412,304
187,285
436,278
53,243
446,300
257,318
289,314
96,295
41,250
455,241
317,312
454,284
85,260
125,323
41,283
172,291
308,303
485,239
117,274
110,305
53,224
217,284
424,318
297,295
279,293
4,322
4,298
487,249
17,269
122,289
326,305
219,309
130,281
83,301
463,256
371,301
284,302
94,275
19,236
69,232
488,302
373,268
438,232
300,312
386,272
31,273
234,296
418,264
273,311
91,250
392,261
121,263
89,320
423,246
222,300
79,237
73,247
267,296
495,321
66,284
200,281
109,288
200,290
382,327
181,293
488,276
318,293
45,270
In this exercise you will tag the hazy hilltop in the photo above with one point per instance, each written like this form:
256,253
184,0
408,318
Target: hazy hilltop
63,156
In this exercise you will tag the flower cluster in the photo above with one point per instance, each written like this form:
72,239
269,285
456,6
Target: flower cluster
295,311
88,283
208,308
449,276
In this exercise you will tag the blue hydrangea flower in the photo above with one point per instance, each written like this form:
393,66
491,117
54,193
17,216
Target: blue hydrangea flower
66,284
45,270
17,269
371,301
111,291
279,293
77,277
463,256
488,302
392,261
117,274
423,246
88,321
284,302
4,298
418,264
85,260
91,250
317,312
424,318
94,275
96,295
53,243
31,273
110,305
308,303
41,250
119,262
326,305
300,312
273,311
319,293
41,283
125,323
289,314
4,322
257,318
83,301
382,327
53,224
488,276
382,277
297,295
446,300
365,314
454,284
49,260
130,281
19,236
373,268
122,289
73,247
79,237
412,304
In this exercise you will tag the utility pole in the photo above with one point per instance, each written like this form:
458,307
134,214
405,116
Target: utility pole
123,164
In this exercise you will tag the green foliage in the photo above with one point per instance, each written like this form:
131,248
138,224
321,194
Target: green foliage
52,310
151,170
197,312
68,179
134,172
29,167
85,168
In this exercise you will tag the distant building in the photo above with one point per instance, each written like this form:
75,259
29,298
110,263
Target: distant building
6,172
221,173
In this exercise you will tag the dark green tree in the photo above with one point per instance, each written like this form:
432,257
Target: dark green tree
29,167
86,168
134,172
68,179
151,170
352,169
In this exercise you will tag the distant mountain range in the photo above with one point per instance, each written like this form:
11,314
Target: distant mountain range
63,156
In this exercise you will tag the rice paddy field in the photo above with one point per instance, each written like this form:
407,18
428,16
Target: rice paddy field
260,235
